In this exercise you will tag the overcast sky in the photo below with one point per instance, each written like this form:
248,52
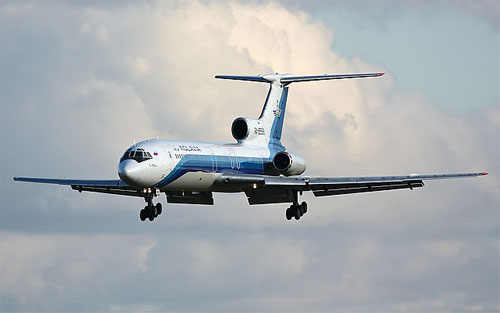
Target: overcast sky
80,81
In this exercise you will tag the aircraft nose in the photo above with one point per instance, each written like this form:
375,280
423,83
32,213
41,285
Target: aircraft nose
129,172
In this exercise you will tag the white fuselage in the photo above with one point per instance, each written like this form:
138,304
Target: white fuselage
189,165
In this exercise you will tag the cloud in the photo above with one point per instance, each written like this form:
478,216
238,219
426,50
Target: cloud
377,14
80,83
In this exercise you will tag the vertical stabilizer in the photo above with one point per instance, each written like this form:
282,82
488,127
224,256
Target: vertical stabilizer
272,118
273,115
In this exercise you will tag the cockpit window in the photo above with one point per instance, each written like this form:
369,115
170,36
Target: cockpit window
138,154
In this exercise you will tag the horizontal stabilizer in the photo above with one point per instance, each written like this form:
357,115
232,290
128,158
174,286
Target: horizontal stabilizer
289,78
294,79
247,78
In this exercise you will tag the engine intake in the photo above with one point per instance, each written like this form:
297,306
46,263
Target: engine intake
289,164
244,129
239,129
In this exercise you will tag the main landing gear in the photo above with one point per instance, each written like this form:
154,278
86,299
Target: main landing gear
296,210
150,211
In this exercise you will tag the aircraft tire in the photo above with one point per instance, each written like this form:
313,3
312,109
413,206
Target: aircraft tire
142,215
304,207
159,208
289,213
297,210
151,213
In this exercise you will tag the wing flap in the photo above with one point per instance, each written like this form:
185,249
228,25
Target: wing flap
340,189
268,195
190,197
109,190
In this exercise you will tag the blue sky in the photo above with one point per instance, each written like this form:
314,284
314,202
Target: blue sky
444,51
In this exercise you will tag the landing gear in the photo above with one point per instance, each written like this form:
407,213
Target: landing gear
143,214
296,211
150,211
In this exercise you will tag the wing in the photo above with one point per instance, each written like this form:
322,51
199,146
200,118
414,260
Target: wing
117,187
111,186
262,189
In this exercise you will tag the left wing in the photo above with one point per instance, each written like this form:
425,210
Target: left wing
261,189
111,186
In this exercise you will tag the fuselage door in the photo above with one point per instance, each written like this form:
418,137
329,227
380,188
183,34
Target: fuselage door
168,158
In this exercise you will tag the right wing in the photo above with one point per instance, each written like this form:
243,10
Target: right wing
110,186
118,187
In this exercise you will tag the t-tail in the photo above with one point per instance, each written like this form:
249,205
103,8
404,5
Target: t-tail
267,129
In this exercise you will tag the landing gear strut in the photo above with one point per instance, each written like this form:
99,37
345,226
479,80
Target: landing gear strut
150,211
296,210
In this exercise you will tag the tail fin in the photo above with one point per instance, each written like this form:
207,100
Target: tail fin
273,112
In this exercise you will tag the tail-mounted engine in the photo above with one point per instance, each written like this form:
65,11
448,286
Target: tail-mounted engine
289,164
244,128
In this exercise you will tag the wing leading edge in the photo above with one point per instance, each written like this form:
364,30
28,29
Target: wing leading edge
110,186
118,187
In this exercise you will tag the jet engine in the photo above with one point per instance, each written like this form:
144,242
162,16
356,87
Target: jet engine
289,164
244,128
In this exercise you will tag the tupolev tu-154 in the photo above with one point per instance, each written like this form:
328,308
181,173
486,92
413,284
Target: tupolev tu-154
257,164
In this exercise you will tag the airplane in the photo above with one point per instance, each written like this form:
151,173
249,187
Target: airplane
257,164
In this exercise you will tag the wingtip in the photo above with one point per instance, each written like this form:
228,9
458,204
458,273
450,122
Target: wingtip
483,174
380,74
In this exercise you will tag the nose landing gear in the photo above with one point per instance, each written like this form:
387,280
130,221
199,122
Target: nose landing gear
150,211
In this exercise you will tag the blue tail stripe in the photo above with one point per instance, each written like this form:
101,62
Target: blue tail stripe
275,144
279,116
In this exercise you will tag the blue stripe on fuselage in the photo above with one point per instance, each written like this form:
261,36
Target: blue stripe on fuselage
203,163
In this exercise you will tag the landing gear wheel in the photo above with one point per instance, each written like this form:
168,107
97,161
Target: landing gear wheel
151,213
143,215
289,213
297,210
304,207
159,208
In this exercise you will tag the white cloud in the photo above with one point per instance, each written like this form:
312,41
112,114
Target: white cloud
104,77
